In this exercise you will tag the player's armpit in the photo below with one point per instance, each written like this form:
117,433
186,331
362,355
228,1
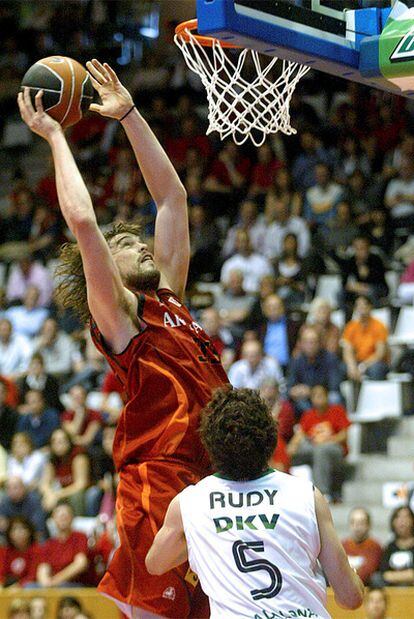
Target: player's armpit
169,548
348,587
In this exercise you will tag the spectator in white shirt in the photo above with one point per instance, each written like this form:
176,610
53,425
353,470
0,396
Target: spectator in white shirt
284,223
254,367
233,303
28,318
252,265
322,198
15,351
26,462
59,351
248,220
399,195
27,273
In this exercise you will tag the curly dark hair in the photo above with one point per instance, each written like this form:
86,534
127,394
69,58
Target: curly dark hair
238,433
70,291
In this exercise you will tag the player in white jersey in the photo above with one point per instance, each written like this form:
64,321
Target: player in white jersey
256,537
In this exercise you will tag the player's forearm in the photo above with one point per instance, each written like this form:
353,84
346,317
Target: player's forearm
159,174
353,591
74,199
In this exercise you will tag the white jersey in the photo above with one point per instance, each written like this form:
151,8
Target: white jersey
254,546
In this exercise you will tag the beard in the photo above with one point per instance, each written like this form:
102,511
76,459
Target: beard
143,280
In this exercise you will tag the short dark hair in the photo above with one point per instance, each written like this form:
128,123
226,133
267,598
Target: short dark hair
69,602
364,298
238,433
323,386
64,503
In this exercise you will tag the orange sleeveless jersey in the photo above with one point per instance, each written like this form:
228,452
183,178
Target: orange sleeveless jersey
168,371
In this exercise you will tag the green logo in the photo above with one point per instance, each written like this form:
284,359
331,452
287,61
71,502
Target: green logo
405,48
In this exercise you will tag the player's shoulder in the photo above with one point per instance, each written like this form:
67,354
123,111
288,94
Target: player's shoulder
293,484
166,295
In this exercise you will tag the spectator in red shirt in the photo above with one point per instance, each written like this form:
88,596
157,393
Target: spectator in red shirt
81,423
282,412
100,553
364,552
320,441
66,475
188,137
18,559
220,336
11,393
63,557
46,188
111,385
264,170
228,171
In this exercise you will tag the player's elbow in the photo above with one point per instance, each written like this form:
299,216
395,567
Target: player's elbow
352,601
356,600
153,565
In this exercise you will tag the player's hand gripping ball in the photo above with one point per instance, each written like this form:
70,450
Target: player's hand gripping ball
66,85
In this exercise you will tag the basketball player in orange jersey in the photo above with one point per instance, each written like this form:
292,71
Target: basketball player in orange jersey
163,358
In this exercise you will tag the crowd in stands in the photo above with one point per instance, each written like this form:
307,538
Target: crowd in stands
265,224
37,607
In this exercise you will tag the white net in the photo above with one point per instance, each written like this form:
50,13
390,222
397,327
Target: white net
248,93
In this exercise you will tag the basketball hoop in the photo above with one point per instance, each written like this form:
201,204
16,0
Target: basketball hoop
243,99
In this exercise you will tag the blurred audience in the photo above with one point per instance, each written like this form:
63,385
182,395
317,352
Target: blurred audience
365,344
38,421
27,318
81,423
26,462
15,351
397,562
320,440
314,365
62,558
376,603
254,367
66,475
252,265
19,501
364,553
19,557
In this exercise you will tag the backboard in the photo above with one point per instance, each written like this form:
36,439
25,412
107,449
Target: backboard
366,41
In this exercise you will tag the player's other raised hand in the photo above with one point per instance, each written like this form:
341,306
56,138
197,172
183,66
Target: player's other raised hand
35,117
116,100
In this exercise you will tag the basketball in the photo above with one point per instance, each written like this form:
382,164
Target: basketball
66,85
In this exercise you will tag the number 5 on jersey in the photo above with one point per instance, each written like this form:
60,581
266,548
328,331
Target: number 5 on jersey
253,565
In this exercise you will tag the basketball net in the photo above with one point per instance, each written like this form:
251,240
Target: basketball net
243,99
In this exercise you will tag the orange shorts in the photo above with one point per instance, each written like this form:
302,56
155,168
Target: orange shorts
144,492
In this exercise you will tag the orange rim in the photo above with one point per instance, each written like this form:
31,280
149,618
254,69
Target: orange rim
183,29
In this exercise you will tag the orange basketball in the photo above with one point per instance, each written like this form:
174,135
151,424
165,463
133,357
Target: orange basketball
66,85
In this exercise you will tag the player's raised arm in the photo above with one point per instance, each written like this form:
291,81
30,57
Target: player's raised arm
172,243
345,582
110,303
169,548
